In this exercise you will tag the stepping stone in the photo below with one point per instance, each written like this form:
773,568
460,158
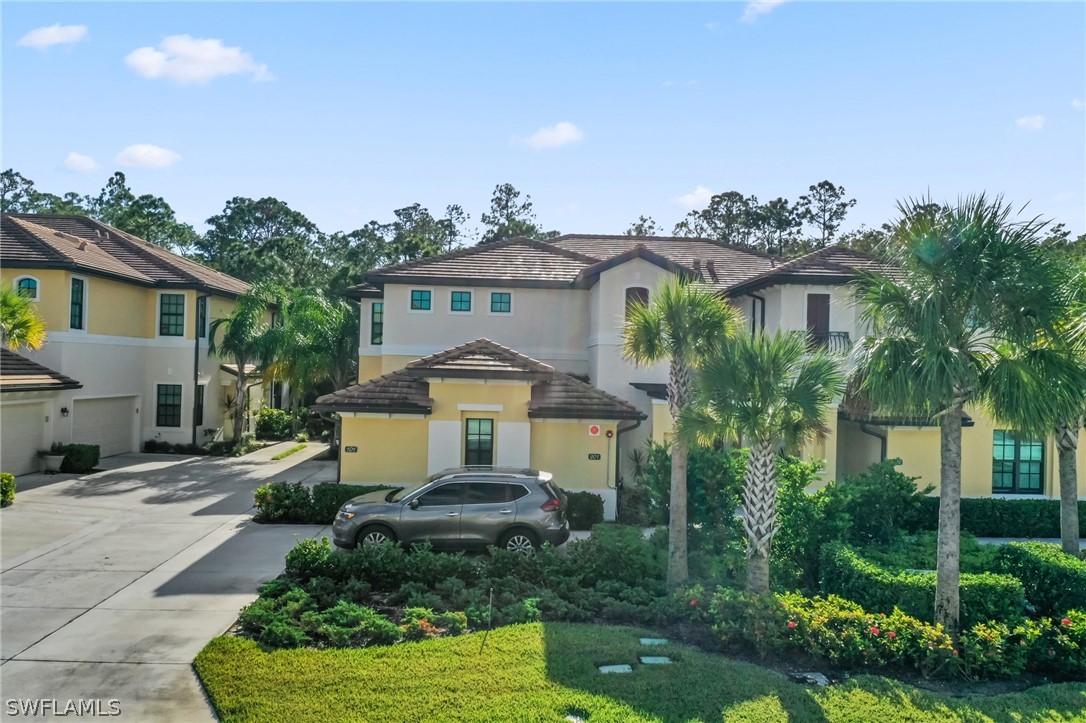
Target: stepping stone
817,679
653,641
575,719
623,668
655,660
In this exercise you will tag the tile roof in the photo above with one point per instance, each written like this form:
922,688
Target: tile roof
563,397
111,252
19,374
395,393
479,358
832,263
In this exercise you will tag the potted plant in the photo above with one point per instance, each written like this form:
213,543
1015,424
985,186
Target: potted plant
53,457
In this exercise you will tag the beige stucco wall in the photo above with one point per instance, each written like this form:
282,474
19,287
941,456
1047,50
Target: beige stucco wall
54,290
389,450
561,447
786,308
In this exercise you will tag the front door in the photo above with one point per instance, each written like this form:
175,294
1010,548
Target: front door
437,516
818,319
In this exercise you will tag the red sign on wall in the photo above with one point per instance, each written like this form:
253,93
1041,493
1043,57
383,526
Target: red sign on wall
593,430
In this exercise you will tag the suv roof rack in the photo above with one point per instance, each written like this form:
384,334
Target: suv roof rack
491,469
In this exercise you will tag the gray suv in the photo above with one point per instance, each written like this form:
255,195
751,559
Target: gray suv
465,507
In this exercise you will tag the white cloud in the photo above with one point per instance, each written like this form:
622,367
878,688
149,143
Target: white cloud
79,163
1031,122
44,38
555,136
145,155
759,7
185,59
1078,104
697,198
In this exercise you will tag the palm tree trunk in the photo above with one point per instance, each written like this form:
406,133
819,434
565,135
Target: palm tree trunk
950,496
1067,443
760,520
239,405
678,570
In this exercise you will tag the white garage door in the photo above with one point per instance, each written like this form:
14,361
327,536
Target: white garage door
22,434
109,423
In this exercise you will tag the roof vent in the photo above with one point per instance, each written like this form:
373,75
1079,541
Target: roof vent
98,233
83,245
697,267
711,266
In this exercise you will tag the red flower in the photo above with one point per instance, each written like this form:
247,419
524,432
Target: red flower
955,651
874,631
1065,623
791,623
891,634
693,602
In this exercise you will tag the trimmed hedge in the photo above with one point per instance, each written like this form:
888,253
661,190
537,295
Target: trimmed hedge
990,517
284,503
1054,581
7,489
585,509
984,596
80,458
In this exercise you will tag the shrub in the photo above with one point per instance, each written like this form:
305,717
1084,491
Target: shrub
312,558
984,596
998,650
919,552
272,423
804,525
714,483
329,497
301,437
991,517
585,509
283,502
151,446
1062,648
879,503
80,458
7,489
635,506
421,623
1054,581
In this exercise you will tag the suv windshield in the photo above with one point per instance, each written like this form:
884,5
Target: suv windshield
400,493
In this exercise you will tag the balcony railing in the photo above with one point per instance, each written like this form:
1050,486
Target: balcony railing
834,342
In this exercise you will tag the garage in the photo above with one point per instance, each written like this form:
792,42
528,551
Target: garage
110,423
23,435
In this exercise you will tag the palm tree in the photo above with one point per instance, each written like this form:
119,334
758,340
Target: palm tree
1040,390
20,323
683,323
244,341
769,392
968,281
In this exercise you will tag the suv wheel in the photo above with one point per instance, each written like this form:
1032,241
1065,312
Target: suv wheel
375,535
520,541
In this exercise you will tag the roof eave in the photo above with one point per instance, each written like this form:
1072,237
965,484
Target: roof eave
757,284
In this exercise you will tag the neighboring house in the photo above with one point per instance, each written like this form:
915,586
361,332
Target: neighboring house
26,389
129,320
562,302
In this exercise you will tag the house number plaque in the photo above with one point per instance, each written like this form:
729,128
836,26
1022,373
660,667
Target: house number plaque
594,456
350,448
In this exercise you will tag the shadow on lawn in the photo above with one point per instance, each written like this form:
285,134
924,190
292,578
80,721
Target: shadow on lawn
696,685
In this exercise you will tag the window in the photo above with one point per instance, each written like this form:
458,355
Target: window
171,315
27,286
479,442
518,491
377,322
461,301
486,493
201,317
636,295
168,409
501,302
78,316
420,299
1017,463
199,411
448,494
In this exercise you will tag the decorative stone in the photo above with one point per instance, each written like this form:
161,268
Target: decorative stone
620,668
575,719
655,660
653,641
817,679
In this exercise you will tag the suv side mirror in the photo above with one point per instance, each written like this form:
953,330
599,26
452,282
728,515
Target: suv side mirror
414,504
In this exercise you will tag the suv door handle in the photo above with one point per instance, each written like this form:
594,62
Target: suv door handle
505,512
452,514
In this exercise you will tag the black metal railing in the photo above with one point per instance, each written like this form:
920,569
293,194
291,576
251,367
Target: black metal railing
834,342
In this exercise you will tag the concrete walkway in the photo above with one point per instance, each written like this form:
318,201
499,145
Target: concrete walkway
111,583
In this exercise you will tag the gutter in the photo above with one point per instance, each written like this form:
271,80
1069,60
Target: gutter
618,460
881,437
196,357
762,321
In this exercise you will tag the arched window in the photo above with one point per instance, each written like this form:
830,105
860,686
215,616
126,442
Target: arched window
636,295
27,286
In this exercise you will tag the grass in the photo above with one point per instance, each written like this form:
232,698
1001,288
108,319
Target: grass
545,672
286,453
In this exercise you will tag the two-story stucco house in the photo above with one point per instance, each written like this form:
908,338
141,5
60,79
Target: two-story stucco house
560,304
127,325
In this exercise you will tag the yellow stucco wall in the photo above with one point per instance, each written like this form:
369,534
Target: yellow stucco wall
54,289
661,423
115,308
389,450
392,362
562,447
448,395
369,367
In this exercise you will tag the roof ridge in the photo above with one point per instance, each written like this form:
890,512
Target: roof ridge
36,229
481,248
482,343
680,239
142,247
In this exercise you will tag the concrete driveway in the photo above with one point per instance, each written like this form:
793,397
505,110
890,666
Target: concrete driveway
111,583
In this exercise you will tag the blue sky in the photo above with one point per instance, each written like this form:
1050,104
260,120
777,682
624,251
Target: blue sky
601,112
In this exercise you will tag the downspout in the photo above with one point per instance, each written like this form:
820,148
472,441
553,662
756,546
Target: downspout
762,321
618,460
881,437
196,359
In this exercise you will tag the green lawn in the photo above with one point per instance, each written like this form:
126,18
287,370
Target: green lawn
544,672
287,453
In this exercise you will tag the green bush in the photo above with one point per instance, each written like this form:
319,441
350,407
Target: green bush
7,489
635,506
805,523
984,596
1054,581
992,517
272,423
999,650
283,502
878,504
301,437
80,458
585,509
918,552
714,484
329,497
1062,648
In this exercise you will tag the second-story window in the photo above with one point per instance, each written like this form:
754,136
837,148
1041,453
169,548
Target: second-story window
636,295
377,323
78,316
171,315
420,299
461,301
501,302
27,287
